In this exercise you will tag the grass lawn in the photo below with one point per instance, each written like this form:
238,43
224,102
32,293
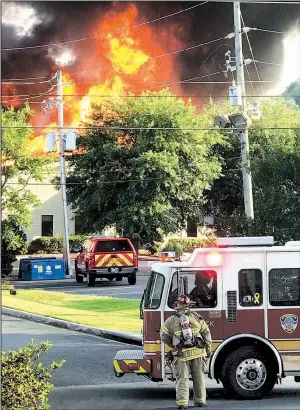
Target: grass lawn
87,310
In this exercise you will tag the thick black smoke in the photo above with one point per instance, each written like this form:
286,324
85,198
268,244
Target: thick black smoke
71,20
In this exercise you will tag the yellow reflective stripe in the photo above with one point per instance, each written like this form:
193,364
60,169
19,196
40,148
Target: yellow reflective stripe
194,331
102,261
124,259
165,329
117,367
204,327
182,402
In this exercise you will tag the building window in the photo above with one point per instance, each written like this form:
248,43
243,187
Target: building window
191,229
284,287
250,287
78,224
47,225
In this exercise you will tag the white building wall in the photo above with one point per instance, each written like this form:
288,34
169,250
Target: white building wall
51,204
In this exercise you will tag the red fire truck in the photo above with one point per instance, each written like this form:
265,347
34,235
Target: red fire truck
250,298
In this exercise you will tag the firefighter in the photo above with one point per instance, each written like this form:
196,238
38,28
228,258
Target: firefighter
202,294
188,335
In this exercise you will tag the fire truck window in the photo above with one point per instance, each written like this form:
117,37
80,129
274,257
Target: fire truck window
154,291
173,294
284,287
250,287
202,286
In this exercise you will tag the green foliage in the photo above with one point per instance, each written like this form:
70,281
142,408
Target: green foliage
25,381
17,199
292,93
147,181
13,242
275,166
54,244
188,244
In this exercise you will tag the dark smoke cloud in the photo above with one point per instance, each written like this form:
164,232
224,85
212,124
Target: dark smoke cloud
71,20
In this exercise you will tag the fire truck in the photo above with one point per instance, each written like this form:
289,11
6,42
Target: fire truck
250,298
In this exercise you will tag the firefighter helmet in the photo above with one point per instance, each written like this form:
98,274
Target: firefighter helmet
182,301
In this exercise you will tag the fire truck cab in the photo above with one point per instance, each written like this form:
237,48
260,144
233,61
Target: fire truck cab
248,291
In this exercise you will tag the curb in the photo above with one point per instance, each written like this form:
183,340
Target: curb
46,320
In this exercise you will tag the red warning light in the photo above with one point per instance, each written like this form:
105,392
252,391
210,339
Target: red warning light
214,259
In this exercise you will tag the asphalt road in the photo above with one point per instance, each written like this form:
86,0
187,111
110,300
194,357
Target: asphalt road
106,288
87,382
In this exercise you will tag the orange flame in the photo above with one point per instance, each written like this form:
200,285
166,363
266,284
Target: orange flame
122,60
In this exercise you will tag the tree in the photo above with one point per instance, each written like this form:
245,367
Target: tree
275,166
293,92
18,168
148,180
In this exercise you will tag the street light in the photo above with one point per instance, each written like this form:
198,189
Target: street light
239,121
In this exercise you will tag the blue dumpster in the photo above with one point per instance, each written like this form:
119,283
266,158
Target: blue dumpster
41,269
27,262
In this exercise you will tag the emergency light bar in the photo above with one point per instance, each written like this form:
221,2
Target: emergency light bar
246,241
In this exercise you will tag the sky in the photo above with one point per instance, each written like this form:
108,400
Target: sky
38,23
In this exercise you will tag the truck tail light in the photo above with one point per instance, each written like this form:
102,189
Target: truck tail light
133,366
92,262
135,259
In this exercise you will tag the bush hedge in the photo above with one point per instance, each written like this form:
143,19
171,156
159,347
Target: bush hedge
54,244
182,245
25,381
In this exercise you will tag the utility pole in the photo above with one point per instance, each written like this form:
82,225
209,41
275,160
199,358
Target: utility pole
60,110
243,133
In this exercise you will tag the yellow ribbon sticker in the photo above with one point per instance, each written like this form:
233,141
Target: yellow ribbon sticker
256,298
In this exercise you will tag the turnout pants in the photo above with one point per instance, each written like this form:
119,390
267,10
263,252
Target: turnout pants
183,369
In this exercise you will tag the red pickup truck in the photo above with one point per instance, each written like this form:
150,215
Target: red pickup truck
109,258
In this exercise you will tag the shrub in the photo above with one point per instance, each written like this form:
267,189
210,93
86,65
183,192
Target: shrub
182,245
25,381
13,242
54,244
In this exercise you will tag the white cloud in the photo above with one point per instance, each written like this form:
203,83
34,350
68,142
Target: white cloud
21,17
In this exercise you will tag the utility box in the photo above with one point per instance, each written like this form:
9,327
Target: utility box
70,140
43,269
51,145
235,95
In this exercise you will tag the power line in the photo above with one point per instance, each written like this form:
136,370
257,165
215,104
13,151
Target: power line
29,95
267,31
252,54
9,80
170,15
265,62
28,83
15,98
144,128
99,35
193,105
190,48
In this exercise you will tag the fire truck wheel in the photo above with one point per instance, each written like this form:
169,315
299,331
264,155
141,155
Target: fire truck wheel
132,279
248,373
90,279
